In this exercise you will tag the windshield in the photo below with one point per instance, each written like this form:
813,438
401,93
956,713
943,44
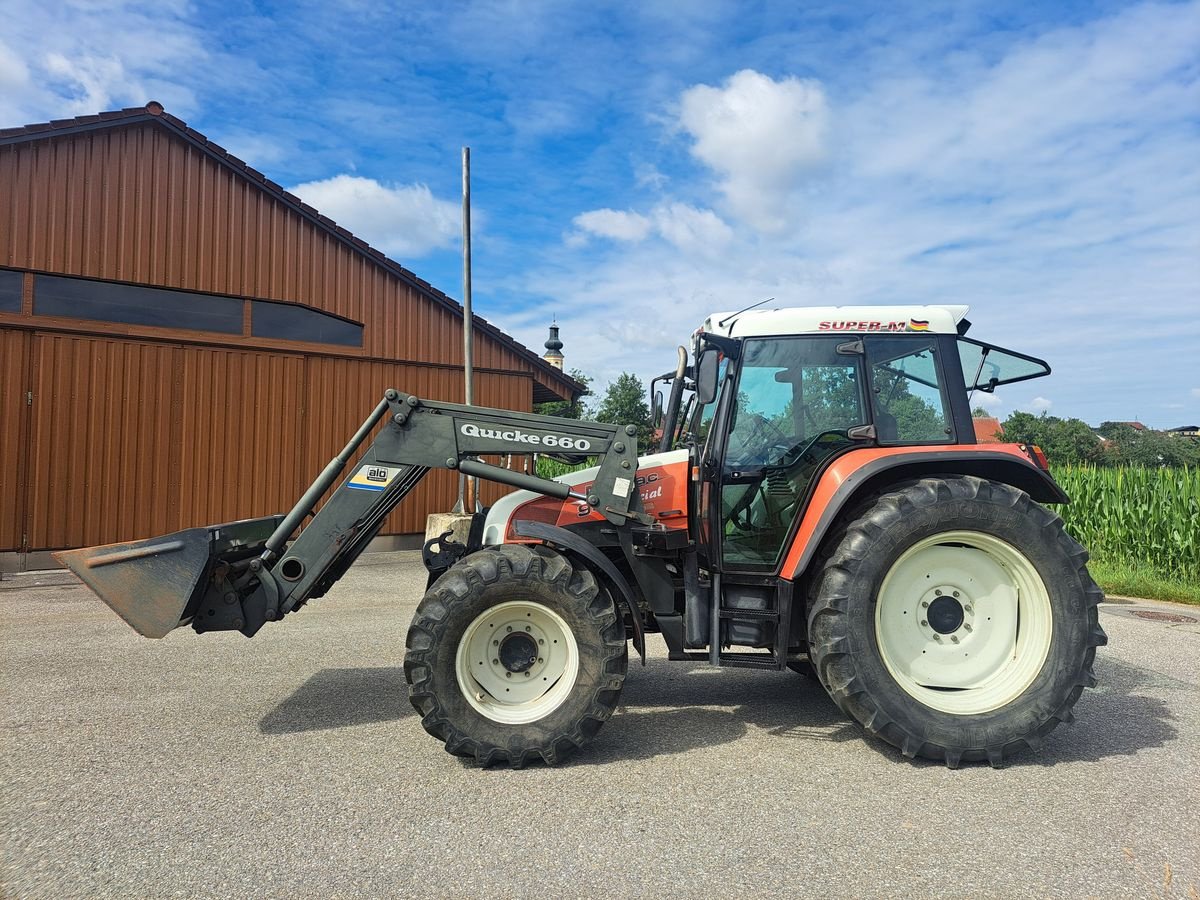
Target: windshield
986,366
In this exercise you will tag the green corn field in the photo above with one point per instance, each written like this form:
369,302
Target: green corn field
1139,517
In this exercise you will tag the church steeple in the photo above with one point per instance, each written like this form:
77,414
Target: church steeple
553,354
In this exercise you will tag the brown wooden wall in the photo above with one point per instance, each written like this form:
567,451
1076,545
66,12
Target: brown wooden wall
127,439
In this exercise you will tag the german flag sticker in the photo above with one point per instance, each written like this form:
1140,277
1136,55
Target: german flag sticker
918,324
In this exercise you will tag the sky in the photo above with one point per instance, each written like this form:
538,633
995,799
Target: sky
636,166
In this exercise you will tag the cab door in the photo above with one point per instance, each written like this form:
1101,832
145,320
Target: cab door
789,408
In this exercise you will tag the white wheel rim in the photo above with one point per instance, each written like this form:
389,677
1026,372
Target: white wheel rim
517,662
963,622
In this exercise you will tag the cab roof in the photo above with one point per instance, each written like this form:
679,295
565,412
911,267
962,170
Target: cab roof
837,319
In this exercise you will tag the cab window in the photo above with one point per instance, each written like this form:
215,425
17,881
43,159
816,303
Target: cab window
907,390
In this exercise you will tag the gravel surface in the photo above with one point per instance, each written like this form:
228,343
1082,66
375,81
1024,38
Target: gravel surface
293,765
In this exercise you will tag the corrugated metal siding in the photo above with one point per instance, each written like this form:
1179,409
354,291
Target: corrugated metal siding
100,455
130,437
14,423
138,204
238,439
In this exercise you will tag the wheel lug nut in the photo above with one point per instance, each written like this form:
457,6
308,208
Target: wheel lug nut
540,659
526,674
924,622
954,638
495,643
969,608
541,640
495,662
938,592
967,626
956,593
527,628
509,628
938,638
508,674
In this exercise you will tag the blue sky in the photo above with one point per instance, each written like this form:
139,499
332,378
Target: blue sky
639,165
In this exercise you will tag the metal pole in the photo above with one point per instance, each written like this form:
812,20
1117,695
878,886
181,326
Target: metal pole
467,321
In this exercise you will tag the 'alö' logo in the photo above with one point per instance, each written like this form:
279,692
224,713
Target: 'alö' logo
515,436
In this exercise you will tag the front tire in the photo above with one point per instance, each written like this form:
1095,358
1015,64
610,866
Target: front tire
515,654
955,619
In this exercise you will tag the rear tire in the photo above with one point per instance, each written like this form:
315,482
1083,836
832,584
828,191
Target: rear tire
955,619
515,654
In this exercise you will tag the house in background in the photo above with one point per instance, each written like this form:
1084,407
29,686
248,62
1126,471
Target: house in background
182,342
988,430
1192,431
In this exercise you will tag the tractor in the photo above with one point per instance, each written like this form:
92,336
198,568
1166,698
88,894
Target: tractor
818,502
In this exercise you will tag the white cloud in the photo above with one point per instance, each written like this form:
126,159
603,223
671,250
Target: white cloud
689,228
65,59
401,220
617,225
758,135
990,402
92,82
681,225
14,74
1040,404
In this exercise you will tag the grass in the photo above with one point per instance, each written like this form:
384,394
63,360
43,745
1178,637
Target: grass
1140,581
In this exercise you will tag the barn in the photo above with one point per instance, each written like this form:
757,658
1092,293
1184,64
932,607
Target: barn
183,342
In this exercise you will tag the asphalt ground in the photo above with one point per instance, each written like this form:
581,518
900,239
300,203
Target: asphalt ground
292,765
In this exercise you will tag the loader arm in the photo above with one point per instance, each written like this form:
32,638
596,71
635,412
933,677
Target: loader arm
244,574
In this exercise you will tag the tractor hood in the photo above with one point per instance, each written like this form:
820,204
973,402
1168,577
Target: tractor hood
661,480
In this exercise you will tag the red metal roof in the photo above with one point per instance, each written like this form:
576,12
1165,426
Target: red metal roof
988,430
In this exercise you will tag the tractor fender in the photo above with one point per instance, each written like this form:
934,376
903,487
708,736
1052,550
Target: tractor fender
859,473
574,544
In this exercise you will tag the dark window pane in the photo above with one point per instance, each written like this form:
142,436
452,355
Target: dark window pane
10,291
83,299
299,323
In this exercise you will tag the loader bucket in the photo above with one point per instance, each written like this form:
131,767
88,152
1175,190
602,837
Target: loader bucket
155,584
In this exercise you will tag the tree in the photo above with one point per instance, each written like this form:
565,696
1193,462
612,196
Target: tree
624,403
1064,441
980,413
1129,447
565,410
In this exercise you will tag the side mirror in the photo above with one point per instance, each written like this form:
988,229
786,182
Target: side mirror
706,376
656,409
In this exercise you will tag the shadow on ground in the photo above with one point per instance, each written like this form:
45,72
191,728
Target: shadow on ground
669,708
1112,719
672,707
340,698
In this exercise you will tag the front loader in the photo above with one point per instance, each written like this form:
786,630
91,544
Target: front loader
818,503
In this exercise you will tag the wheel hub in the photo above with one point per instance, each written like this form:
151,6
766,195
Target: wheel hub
945,615
518,652
946,611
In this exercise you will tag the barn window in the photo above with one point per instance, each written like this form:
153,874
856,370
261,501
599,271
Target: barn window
300,323
10,291
106,301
